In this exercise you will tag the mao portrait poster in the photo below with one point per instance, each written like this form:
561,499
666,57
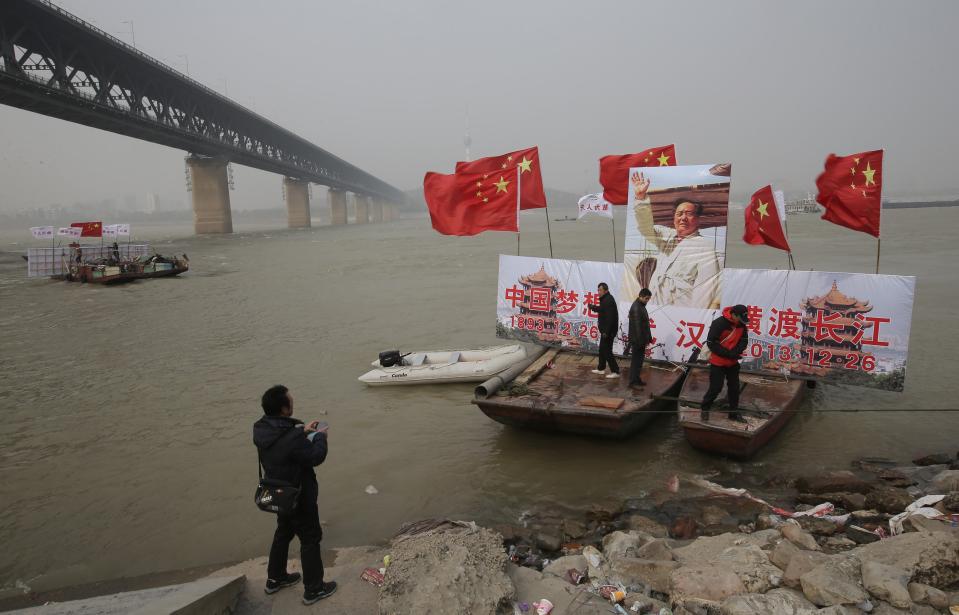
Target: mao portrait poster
844,328
676,234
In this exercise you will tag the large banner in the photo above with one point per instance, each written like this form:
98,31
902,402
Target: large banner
544,301
850,328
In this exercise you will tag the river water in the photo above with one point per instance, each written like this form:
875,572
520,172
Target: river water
125,444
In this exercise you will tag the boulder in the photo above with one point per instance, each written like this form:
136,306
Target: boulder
794,534
705,581
768,521
631,571
596,565
801,563
833,482
779,602
707,548
573,529
839,543
818,526
836,581
930,558
683,528
860,535
647,525
884,608
945,481
695,606
896,478
531,586
933,459
655,549
848,501
782,553
924,594
886,583
888,500
951,502
547,540
560,565
622,544
918,523
751,565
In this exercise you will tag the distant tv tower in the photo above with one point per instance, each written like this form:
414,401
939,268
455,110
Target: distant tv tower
467,141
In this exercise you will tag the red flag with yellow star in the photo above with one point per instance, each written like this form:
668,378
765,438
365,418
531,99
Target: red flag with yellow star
763,225
850,188
532,195
89,229
614,170
469,203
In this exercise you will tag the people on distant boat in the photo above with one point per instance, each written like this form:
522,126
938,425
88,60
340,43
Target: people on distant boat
608,324
640,335
116,253
726,340
79,257
289,450
687,270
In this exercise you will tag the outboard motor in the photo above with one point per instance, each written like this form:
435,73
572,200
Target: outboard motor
389,358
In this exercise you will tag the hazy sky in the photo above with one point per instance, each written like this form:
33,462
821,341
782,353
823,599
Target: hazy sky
770,86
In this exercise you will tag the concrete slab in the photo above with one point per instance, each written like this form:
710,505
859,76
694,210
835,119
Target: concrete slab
210,596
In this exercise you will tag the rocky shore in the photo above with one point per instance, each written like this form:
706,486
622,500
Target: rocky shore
833,543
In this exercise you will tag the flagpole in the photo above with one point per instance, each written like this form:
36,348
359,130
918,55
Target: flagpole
519,179
548,233
878,246
612,219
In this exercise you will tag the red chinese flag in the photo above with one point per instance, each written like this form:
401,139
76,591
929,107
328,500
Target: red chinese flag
614,170
850,188
532,195
470,203
763,225
90,229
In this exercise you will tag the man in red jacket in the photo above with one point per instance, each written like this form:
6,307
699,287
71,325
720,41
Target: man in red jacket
726,340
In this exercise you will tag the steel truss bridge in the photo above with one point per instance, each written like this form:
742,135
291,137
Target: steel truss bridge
54,63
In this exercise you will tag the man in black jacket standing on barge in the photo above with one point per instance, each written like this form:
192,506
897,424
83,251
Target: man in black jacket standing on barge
608,324
288,451
640,335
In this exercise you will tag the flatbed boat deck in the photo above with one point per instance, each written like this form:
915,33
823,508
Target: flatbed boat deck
558,392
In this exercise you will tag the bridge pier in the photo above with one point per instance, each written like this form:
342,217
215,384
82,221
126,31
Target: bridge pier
297,202
211,195
362,209
337,206
377,210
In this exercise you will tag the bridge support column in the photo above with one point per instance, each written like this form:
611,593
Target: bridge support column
211,195
337,206
377,210
297,203
362,209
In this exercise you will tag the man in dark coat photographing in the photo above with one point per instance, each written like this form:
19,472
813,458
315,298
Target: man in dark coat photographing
289,450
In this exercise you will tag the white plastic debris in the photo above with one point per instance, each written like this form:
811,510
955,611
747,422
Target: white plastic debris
370,489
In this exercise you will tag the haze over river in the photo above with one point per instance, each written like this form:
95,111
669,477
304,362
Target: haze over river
125,444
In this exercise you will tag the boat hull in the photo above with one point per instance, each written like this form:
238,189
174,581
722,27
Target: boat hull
769,403
558,397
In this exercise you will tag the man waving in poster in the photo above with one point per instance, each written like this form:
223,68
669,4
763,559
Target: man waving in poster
687,269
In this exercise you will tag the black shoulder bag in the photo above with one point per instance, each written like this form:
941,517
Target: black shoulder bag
274,495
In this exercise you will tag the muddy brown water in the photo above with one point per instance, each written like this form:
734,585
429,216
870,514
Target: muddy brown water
125,444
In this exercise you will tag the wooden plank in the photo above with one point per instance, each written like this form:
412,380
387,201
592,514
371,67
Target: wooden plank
613,403
536,367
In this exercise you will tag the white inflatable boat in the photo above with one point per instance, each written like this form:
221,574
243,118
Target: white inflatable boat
442,366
